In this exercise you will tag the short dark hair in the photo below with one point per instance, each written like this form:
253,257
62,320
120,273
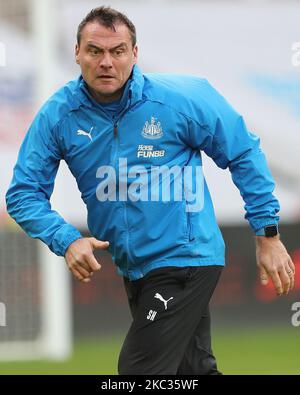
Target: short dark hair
107,17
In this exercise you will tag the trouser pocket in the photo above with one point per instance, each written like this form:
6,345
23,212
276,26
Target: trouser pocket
183,274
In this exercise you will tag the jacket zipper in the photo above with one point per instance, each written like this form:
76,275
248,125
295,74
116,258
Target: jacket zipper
189,226
121,115
115,129
190,235
115,125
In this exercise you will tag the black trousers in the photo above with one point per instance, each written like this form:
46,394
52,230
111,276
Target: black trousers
170,332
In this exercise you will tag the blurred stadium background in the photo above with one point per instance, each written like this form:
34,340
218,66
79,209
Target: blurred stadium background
244,48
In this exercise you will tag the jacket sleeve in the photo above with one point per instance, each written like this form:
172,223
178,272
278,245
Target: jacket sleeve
28,197
222,134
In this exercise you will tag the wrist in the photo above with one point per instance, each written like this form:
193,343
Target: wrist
263,240
69,246
277,237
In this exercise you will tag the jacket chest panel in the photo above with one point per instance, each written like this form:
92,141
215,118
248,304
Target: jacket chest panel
150,135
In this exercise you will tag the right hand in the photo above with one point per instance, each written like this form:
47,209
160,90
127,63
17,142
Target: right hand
80,257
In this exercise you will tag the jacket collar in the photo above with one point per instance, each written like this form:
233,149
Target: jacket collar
135,91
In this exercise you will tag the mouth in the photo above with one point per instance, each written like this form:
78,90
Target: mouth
106,77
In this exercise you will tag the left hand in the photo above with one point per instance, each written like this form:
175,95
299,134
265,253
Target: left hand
274,261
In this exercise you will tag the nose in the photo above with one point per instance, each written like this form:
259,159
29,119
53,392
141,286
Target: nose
106,61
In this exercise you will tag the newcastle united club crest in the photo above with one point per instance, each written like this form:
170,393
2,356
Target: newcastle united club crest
152,130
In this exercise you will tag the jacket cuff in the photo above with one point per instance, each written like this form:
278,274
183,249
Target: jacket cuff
64,238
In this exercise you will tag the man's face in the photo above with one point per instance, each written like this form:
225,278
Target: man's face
106,58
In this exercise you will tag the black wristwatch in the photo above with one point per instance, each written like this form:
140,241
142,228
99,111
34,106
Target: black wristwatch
268,231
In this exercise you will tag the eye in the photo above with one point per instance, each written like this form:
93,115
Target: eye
94,51
119,52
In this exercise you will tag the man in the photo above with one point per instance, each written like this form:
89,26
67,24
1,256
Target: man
133,142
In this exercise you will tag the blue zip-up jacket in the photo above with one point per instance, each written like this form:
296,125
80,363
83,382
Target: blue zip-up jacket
167,120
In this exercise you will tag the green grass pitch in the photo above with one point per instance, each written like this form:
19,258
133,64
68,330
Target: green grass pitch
243,351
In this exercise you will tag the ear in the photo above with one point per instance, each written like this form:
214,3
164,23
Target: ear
135,54
77,54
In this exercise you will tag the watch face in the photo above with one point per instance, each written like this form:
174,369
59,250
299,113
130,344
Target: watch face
271,230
